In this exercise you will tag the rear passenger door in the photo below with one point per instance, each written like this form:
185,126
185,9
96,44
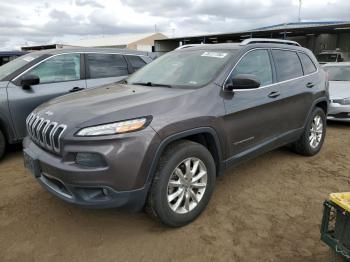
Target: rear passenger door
104,69
294,88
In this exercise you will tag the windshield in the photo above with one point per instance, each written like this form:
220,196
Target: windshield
326,58
182,69
16,64
338,73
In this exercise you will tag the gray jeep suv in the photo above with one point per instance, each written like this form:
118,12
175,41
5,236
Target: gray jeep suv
30,80
160,139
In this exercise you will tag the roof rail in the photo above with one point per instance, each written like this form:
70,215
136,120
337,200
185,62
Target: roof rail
268,40
187,46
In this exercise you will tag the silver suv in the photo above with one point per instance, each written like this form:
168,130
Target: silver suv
32,79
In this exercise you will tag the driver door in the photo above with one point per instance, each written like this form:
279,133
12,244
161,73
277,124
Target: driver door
59,75
252,115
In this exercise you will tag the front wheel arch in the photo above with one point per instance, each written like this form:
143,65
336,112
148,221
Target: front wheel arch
195,135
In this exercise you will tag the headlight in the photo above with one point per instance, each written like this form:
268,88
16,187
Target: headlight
344,101
114,128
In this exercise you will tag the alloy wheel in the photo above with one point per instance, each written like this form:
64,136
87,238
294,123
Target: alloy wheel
316,132
187,185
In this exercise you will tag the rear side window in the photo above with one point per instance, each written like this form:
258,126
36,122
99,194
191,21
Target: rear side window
136,62
288,65
257,63
106,65
308,65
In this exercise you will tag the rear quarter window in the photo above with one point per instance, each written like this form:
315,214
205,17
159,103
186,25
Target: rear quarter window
136,62
308,66
288,65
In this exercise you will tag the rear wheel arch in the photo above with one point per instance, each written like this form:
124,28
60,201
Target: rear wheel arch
4,129
3,141
323,105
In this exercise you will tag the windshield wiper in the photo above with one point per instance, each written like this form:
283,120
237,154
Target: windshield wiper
150,84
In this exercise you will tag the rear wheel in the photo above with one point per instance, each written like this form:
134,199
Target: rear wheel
2,144
311,141
183,184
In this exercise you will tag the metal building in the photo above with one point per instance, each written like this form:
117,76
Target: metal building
317,36
140,42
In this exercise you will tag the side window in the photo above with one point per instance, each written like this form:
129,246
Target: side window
59,68
308,65
288,65
136,62
107,65
257,63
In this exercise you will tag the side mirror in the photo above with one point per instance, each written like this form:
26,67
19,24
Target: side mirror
29,80
243,81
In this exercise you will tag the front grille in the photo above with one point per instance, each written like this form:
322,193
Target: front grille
45,133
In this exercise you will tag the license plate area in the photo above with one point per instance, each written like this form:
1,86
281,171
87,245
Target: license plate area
31,163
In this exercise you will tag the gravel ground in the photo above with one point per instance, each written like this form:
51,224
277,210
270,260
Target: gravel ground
268,209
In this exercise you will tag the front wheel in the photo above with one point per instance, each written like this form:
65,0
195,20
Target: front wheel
311,141
183,184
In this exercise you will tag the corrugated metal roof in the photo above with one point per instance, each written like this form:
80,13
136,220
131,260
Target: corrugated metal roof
118,40
273,28
300,25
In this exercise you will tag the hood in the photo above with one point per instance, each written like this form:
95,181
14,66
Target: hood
339,89
109,104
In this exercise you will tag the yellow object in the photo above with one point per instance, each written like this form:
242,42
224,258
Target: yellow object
341,199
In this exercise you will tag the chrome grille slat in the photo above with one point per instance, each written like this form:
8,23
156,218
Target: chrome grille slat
51,134
40,121
30,124
45,133
34,125
56,146
29,118
48,135
41,131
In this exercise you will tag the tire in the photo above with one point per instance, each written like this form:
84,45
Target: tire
179,212
2,145
335,257
304,146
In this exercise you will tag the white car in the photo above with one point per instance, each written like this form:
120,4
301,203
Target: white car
339,91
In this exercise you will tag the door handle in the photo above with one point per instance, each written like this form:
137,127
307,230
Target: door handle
310,85
76,88
274,94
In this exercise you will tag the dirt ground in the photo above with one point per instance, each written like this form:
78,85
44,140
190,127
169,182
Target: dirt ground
268,209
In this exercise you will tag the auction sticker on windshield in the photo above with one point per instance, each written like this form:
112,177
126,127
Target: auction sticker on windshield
28,58
214,54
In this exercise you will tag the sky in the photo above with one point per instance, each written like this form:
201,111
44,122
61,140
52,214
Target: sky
32,22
